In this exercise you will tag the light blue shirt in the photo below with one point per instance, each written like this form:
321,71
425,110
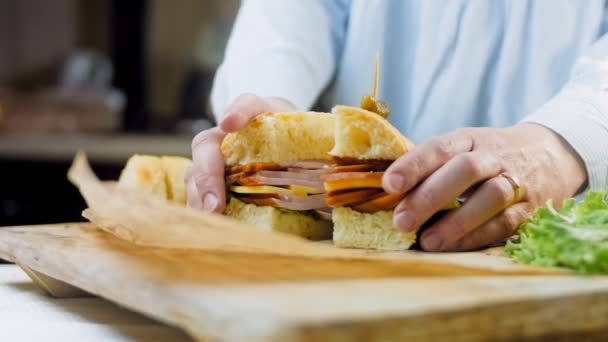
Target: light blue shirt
444,64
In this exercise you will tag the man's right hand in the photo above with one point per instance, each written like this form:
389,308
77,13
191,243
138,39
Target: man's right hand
205,178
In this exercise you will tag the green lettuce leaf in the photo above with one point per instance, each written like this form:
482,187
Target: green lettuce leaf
575,237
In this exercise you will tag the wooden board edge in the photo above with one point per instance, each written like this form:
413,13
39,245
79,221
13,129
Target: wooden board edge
441,325
405,327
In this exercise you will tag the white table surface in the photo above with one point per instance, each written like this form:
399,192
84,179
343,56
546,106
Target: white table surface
28,314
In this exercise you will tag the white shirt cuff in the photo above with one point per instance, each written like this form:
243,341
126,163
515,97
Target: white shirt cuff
580,116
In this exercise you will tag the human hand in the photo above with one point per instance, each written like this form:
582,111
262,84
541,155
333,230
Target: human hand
471,161
205,178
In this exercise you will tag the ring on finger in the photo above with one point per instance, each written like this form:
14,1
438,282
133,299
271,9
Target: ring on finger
515,184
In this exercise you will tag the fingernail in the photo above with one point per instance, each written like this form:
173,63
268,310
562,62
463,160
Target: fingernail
396,182
405,221
209,201
432,242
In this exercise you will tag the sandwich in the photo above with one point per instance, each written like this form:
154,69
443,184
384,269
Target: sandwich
276,164
161,177
365,146
273,173
315,175
304,173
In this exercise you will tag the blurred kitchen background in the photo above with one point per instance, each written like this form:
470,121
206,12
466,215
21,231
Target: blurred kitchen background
110,77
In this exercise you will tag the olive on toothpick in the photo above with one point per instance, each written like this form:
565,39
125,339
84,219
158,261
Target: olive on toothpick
370,102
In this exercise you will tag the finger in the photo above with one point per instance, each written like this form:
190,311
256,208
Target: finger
208,169
242,110
194,198
443,186
491,198
424,159
499,228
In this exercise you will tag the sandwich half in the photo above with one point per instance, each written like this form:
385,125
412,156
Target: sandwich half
159,176
273,173
365,145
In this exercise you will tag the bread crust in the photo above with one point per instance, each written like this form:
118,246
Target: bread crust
281,137
161,176
353,229
362,134
286,221
144,173
174,169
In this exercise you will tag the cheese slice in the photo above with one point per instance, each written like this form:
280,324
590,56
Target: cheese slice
384,202
261,189
301,190
353,183
351,197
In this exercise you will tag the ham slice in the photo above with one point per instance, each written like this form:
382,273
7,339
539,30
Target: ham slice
317,172
289,174
281,174
299,203
282,178
309,202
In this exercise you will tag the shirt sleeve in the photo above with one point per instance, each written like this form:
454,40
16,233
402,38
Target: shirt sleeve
283,48
579,112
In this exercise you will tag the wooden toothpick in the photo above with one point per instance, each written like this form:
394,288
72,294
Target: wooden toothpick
376,75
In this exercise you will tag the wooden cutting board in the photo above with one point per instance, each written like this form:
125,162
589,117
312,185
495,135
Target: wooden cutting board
244,296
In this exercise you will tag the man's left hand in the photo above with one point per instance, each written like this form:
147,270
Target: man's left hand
504,173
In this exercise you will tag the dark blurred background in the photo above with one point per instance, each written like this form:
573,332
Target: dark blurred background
112,78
